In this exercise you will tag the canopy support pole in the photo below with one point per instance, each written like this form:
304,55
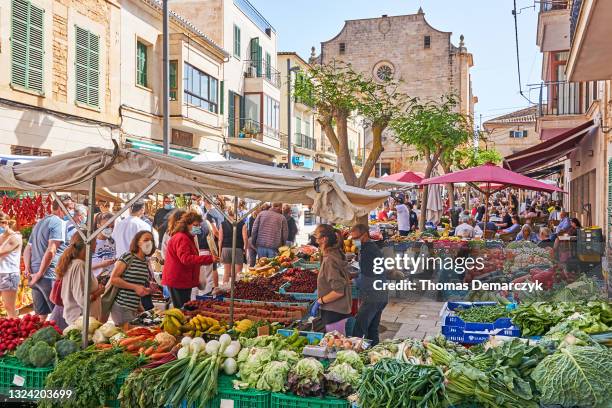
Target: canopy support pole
233,269
88,259
119,213
67,213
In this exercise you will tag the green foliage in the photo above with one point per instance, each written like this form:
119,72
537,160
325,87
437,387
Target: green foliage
470,156
433,128
23,351
575,376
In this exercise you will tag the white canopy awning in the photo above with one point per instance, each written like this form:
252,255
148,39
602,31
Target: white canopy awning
129,171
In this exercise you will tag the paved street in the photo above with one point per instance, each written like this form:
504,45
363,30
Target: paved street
412,317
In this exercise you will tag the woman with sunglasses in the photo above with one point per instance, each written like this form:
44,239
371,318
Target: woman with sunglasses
333,281
10,256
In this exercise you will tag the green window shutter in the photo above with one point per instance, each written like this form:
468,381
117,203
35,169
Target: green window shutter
222,97
237,41
172,74
268,66
141,64
256,55
609,194
87,70
231,114
27,45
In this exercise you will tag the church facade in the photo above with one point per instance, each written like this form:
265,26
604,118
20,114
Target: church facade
407,48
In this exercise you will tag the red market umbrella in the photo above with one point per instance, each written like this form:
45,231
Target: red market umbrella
404,176
484,178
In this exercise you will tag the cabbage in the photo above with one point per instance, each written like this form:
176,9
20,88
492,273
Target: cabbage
341,380
251,369
274,377
306,378
349,356
93,324
289,356
108,329
98,337
575,376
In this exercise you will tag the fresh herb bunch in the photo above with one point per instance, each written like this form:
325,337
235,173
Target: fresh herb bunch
90,374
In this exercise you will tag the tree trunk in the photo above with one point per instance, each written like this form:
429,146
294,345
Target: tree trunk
342,151
450,186
373,156
428,170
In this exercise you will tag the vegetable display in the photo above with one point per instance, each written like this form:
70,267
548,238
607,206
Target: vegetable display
482,314
13,331
343,376
39,350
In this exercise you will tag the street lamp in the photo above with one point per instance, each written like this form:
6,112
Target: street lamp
290,69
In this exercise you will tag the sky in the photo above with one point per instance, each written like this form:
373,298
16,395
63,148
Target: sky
488,27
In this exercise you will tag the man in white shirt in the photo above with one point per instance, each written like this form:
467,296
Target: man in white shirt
126,229
464,229
403,218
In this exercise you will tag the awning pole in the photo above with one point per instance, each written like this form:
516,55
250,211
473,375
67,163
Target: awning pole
88,258
233,269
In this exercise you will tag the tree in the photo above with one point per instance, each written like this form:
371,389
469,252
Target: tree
434,129
336,91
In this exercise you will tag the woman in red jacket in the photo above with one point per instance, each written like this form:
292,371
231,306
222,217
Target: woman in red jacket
181,271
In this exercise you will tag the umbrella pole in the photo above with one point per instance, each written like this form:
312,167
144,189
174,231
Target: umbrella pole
88,258
233,270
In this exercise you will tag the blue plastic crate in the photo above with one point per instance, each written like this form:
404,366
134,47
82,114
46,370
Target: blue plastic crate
310,336
284,290
459,335
300,263
455,321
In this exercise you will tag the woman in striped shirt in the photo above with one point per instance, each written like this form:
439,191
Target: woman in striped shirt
131,274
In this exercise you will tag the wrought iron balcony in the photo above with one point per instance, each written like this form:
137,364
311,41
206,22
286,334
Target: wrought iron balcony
549,5
307,142
253,129
574,15
566,98
261,69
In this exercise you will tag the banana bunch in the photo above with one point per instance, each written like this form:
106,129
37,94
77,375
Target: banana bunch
243,325
199,325
173,321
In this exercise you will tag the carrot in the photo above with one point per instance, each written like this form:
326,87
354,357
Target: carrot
157,356
133,347
103,346
131,340
149,351
141,350
138,331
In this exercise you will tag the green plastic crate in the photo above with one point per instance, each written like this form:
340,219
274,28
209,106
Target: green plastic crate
249,398
113,400
293,401
34,377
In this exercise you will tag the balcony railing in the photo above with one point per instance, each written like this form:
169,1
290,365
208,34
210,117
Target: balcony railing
566,98
548,5
305,141
253,129
574,14
261,69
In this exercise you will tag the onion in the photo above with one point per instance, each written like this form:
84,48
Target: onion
186,341
197,345
224,341
231,350
182,353
212,347
230,366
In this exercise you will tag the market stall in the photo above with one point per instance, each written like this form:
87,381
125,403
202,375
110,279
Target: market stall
129,171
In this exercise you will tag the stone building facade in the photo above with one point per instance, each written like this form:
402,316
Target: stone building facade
409,49
512,132
50,102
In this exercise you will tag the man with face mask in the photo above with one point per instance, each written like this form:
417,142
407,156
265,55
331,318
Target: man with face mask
126,229
372,301
160,220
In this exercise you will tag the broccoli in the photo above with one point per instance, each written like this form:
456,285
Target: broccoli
47,334
41,354
65,347
23,350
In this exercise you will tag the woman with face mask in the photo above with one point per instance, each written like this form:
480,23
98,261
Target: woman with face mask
131,276
183,260
105,256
